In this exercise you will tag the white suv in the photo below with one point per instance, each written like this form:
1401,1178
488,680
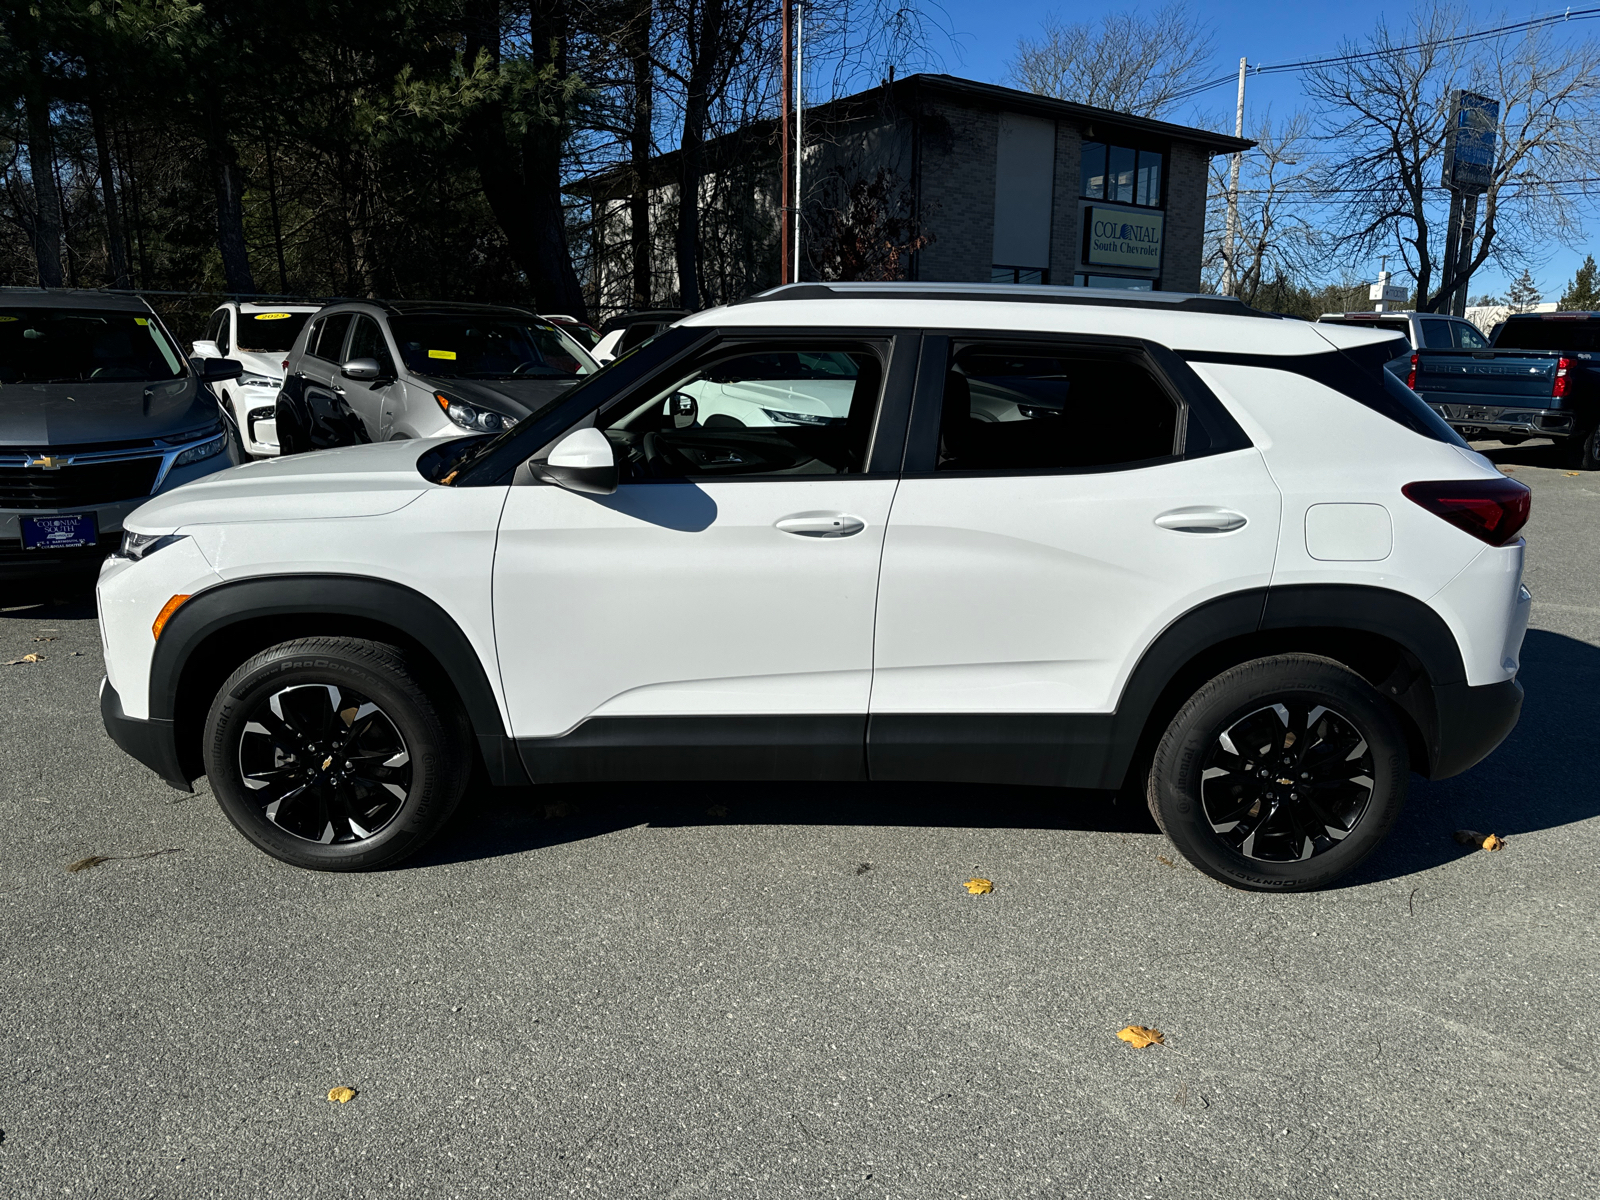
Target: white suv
1072,538
259,336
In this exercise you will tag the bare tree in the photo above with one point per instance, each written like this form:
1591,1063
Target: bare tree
1278,236
1387,111
1127,62
864,226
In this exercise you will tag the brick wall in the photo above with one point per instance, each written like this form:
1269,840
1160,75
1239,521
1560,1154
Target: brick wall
1185,226
957,170
1065,243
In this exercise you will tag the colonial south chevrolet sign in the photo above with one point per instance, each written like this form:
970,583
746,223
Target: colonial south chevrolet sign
1121,237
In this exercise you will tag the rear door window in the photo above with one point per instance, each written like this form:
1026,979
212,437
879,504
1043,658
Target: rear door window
1467,336
1436,335
330,337
1043,408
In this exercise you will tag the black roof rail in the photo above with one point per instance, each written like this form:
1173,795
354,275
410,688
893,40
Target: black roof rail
1012,293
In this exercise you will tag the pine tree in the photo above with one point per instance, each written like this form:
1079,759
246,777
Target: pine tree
1582,294
1524,294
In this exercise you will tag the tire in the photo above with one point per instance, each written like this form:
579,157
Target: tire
1582,450
290,706
1210,792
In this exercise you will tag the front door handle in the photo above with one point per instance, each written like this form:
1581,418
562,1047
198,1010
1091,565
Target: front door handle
822,525
1202,520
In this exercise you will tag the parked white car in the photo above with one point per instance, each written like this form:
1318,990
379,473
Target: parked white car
1160,543
258,336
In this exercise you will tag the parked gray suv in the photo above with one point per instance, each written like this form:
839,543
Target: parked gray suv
98,412
382,370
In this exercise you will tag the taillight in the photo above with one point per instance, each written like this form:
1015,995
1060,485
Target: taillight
1411,377
1491,510
1559,387
286,364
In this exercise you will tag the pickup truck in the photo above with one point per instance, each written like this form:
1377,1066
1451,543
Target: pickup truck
1539,378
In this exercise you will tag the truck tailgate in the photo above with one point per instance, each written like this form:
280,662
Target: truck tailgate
1508,376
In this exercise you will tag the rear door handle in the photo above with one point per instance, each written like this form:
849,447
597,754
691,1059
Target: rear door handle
821,525
1202,520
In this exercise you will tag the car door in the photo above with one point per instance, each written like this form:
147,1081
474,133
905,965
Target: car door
368,399
714,617
1064,501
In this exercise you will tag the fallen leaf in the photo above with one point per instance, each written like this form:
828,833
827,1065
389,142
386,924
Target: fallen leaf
26,658
342,1095
1485,841
1573,474
1165,861
863,868
51,639
83,864
979,887
1140,1036
1507,470
717,810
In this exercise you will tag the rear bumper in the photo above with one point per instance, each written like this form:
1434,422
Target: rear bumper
1499,418
153,742
1470,722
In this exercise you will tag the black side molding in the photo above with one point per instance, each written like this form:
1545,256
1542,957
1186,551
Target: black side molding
294,596
820,747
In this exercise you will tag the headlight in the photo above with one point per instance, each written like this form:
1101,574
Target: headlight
467,416
259,381
137,545
204,450
779,417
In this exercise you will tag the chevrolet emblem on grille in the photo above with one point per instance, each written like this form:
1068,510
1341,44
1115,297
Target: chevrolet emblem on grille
50,462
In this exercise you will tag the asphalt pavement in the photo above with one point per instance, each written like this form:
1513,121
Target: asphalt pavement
785,991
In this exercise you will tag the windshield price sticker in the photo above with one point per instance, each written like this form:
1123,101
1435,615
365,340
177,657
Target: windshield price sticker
271,316
450,354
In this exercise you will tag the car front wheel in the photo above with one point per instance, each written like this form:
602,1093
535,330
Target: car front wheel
1280,774
329,754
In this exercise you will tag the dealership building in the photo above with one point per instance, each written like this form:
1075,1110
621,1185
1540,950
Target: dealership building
933,178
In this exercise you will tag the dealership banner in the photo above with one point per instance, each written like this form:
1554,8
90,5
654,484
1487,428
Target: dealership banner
1120,237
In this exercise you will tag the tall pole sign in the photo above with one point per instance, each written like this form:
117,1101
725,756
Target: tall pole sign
785,185
1468,172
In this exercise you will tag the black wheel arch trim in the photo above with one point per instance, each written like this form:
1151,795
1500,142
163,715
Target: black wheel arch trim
385,602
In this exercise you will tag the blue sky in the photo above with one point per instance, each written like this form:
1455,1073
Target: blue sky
1265,31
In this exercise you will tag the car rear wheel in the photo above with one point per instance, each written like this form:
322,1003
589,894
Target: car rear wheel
1280,774
329,754
1582,450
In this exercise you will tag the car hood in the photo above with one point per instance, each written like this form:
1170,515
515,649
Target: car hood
40,415
350,481
511,397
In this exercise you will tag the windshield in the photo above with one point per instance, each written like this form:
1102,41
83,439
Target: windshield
488,347
270,330
1540,334
65,345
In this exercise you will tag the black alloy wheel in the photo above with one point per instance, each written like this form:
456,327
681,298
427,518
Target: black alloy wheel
326,764
1284,785
1280,774
329,753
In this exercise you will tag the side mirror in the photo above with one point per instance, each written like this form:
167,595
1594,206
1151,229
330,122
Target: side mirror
215,370
685,410
205,349
363,369
583,461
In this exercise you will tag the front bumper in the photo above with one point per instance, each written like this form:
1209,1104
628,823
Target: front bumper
1469,722
1495,418
153,742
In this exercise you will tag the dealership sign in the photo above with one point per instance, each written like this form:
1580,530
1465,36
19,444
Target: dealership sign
1469,142
1120,237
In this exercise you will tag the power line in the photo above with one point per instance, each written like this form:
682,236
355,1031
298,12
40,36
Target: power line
1582,14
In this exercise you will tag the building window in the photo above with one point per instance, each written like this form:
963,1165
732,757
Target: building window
1121,174
999,274
1125,283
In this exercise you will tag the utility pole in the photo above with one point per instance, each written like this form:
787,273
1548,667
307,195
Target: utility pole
1230,277
785,190
799,118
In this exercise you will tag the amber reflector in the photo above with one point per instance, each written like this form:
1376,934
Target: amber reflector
162,617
